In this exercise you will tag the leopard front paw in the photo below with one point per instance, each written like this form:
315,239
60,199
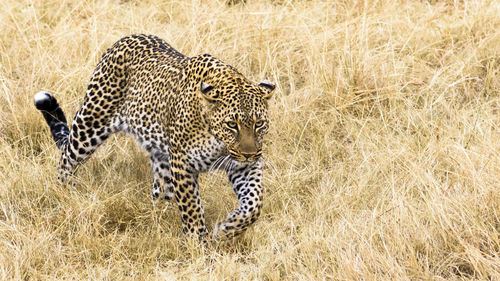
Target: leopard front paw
224,230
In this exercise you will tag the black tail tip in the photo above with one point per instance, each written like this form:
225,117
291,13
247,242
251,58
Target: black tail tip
45,101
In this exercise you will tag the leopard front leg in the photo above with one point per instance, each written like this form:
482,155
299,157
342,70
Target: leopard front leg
187,195
246,180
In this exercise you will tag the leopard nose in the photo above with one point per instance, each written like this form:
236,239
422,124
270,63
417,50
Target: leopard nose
248,155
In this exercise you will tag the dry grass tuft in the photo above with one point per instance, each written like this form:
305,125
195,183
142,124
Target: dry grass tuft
383,161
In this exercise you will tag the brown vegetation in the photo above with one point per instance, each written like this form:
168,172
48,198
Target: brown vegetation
383,158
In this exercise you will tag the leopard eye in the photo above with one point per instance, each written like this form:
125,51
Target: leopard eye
232,125
259,124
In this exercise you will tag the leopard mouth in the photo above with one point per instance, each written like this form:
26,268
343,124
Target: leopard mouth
240,157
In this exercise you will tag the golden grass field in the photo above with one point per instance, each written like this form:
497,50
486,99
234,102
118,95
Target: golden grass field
382,161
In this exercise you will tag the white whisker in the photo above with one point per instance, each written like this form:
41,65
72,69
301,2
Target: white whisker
222,162
218,163
215,163
231,166
227,162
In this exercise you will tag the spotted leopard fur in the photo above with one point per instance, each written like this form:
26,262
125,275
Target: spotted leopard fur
189,113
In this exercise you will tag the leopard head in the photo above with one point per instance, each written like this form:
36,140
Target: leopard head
235,109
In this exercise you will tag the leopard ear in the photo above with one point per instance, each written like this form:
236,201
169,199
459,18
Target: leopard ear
269,88
207,93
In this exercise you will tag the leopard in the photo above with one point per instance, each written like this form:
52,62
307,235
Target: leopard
191,114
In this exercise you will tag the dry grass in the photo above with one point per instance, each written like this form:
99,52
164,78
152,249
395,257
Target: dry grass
383,161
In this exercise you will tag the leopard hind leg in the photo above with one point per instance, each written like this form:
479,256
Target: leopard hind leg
93,123
88,131
163,188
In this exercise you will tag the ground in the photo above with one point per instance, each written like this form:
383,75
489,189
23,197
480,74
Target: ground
382,160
